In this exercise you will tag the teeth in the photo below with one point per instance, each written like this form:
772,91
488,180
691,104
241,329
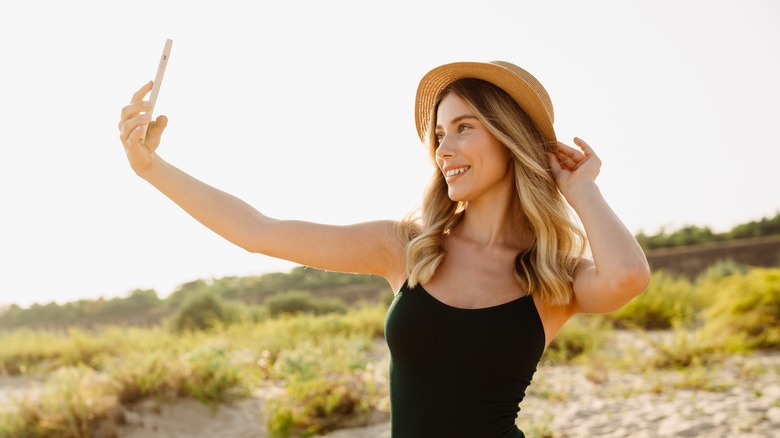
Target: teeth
454,172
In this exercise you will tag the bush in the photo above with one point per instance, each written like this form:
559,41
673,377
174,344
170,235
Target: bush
746,311
709,282
581,335
70,403
295,302
321,404
330,383
667,301
203,311
140,374
215,377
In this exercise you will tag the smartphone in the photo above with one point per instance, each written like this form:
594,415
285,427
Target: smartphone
166,54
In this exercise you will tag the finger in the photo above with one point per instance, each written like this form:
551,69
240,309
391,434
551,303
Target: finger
128,127
567,162
143,91
155,131
586,149
555,164
569,157
133,110
569,151
134,137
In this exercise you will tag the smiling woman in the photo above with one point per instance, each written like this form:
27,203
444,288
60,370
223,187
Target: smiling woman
488,273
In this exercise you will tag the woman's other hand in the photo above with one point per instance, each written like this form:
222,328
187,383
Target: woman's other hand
574,168
134,117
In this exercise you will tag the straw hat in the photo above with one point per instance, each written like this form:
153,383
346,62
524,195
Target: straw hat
518,83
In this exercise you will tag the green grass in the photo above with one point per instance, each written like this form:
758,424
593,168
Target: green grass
322,361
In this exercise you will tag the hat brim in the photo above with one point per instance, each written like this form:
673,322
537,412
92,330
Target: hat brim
528,95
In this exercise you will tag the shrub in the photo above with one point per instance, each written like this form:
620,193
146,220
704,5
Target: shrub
321,404
70,403
721,269
709,282
667,301
746,313
202,311
581,335
330,383
683,348
214,377
295,302
141,374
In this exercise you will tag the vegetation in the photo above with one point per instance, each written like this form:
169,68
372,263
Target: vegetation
330,291
323,360
692,234
668,301
745,311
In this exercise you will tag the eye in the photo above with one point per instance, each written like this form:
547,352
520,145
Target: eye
439,137
462,127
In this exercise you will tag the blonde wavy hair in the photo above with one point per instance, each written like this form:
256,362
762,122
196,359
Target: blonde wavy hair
546,267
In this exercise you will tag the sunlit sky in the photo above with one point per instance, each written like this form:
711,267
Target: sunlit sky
304,109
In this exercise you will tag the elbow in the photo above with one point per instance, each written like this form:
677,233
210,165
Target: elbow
632,282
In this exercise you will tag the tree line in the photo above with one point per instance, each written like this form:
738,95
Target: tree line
145,307
693,235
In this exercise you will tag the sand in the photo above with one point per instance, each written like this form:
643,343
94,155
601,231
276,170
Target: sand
739,397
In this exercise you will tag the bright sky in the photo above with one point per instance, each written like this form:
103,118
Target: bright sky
305,110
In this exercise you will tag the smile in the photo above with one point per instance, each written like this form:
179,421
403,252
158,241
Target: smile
453,172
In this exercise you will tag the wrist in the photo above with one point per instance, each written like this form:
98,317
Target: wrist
150,168
581,193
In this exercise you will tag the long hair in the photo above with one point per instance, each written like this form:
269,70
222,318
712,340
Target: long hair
546,266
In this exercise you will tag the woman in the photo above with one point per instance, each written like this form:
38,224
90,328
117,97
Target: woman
489,272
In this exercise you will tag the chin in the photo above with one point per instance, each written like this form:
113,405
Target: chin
456,197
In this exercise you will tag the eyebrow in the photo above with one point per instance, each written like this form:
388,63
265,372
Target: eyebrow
459,118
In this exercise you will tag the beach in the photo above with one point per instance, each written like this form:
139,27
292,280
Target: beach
736,397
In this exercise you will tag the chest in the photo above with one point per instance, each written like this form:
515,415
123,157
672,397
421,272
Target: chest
473,279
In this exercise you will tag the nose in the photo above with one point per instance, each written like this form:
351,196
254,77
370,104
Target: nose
443,150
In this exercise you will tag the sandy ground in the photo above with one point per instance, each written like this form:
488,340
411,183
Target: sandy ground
740,398
737,398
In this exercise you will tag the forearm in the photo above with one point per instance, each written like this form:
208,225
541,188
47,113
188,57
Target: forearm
226,215
618,258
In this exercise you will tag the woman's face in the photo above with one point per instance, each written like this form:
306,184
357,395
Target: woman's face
474,163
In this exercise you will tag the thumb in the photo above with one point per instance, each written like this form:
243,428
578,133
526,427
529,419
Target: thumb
155,131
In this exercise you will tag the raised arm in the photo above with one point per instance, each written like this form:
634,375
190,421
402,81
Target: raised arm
619,269
370,247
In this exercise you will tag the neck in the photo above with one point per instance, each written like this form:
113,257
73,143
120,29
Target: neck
495,221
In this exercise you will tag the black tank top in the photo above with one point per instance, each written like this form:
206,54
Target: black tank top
459,372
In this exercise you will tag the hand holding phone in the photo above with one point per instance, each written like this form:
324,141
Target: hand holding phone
166,54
